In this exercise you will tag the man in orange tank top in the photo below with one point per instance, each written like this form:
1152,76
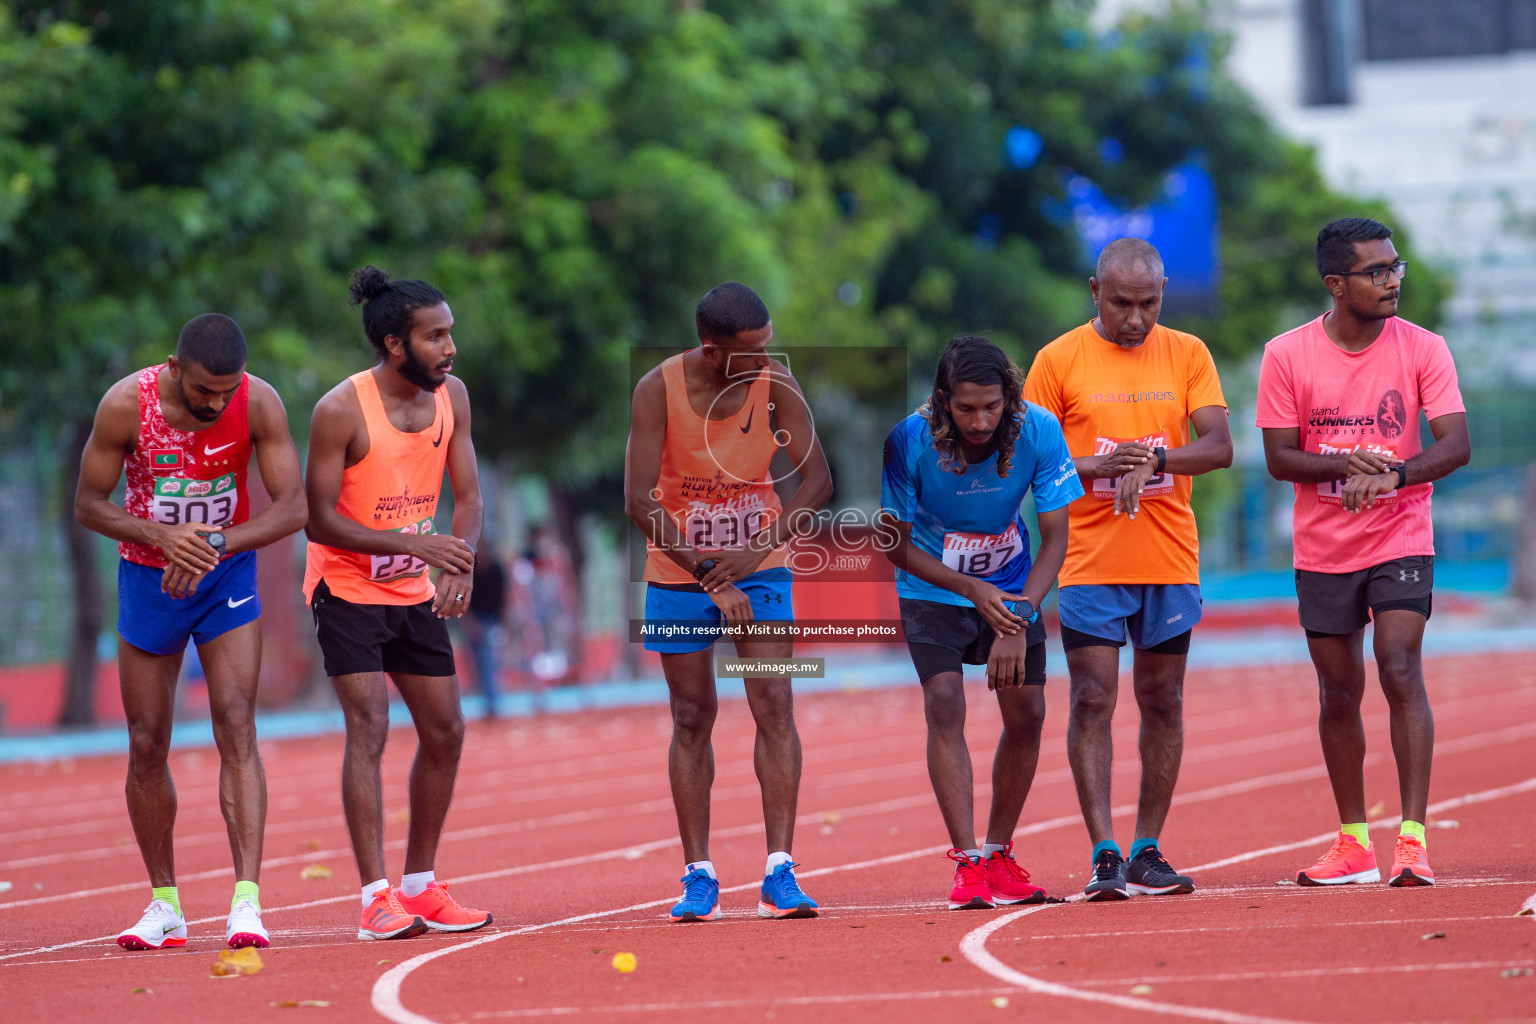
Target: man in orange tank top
378,446
704,427
185,433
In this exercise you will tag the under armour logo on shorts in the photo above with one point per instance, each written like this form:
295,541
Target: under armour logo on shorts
773,599
1408,575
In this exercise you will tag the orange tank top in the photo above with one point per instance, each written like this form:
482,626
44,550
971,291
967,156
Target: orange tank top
394,487
714,480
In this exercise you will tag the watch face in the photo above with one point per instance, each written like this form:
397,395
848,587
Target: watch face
215,539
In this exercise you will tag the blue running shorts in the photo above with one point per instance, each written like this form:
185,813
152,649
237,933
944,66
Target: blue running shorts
161,624
686,605
1150,613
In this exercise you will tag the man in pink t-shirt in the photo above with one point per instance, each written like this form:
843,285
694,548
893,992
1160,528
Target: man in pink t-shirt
1339,404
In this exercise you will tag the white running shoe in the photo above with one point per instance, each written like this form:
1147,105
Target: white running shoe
245,927
159,928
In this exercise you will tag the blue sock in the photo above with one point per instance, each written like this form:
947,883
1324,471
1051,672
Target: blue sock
1142,844
1108,844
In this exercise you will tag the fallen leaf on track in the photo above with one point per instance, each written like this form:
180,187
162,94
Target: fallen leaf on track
831,818
1000,1002
311,845
1433,935
1141,990
945,959
234,962
1376,809
301,1002
144,991
382,962
315,871
400,817
624,963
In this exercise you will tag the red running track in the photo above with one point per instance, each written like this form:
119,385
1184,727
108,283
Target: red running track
563,827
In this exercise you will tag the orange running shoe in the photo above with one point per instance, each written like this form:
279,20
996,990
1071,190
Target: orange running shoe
441,912
384,918
1410,864
1346,861
1009,881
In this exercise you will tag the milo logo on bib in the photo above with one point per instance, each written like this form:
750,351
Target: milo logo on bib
210,502
1159,485
394,567
1331,492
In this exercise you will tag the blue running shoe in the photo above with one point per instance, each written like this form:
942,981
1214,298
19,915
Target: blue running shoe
701,898
783,897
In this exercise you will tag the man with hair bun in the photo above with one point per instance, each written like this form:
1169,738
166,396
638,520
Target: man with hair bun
956,472
185,431
1127,389
378,445
1339,403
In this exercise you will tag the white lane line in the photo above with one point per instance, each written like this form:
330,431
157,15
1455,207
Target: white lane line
1314,972
733,1004
974,948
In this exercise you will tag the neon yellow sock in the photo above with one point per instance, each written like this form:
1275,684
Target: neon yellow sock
168,894
246,889
1414,830
1359,831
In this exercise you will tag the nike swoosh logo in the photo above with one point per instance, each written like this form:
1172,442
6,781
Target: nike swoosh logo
749,419
170,928
439,436
236,604
215,451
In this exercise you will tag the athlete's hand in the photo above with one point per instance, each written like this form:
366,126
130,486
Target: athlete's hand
452,598
1127,456
1364,463
1005,665
733,604
185,548
444,551
1128,491
178,582
1360,492
732,565
989,601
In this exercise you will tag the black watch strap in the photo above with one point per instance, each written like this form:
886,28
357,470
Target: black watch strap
702,569
1162,460
1402,475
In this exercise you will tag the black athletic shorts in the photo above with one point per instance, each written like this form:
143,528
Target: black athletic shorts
405,638
1336,603
942,637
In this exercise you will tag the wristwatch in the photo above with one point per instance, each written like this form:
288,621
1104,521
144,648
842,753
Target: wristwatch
702,569
1402,475
1025,611
216,541
1162,460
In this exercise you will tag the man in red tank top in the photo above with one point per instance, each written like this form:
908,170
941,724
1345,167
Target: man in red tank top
378,445
703,428
185,431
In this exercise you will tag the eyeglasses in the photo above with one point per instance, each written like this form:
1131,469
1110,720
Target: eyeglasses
1379,274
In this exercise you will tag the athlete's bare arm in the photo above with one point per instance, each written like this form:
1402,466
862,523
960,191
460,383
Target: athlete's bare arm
338,438
989,600
1211,449
1286,461
278,461
793,416
452,598
1451,450
114,434
642,471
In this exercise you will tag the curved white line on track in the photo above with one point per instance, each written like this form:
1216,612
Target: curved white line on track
974,948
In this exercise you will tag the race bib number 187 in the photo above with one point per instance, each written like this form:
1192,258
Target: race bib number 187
982,554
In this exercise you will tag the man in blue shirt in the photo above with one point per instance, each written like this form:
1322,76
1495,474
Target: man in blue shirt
956,472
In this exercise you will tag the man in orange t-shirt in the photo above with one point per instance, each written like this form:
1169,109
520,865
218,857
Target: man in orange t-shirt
1126,390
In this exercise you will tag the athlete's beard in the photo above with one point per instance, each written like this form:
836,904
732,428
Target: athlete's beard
415,370
201,413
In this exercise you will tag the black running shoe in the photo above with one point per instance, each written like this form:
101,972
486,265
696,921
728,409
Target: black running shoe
1148,874
1108,878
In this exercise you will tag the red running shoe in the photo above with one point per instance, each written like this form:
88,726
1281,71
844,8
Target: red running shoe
1410,864
1008,881
1346,861
441,912
972,891
384,918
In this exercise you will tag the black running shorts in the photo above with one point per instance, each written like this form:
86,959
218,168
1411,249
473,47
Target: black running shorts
1337,603
942,637
406,638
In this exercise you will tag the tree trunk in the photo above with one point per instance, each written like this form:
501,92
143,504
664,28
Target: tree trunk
90,602
1524,583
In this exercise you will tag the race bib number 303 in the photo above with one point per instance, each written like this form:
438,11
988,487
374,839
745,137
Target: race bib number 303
394,567
982,554
1158,486
1331,492
195,501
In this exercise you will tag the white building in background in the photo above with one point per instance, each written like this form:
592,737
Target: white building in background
1431,105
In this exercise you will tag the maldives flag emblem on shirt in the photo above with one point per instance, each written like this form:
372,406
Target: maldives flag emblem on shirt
165,458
